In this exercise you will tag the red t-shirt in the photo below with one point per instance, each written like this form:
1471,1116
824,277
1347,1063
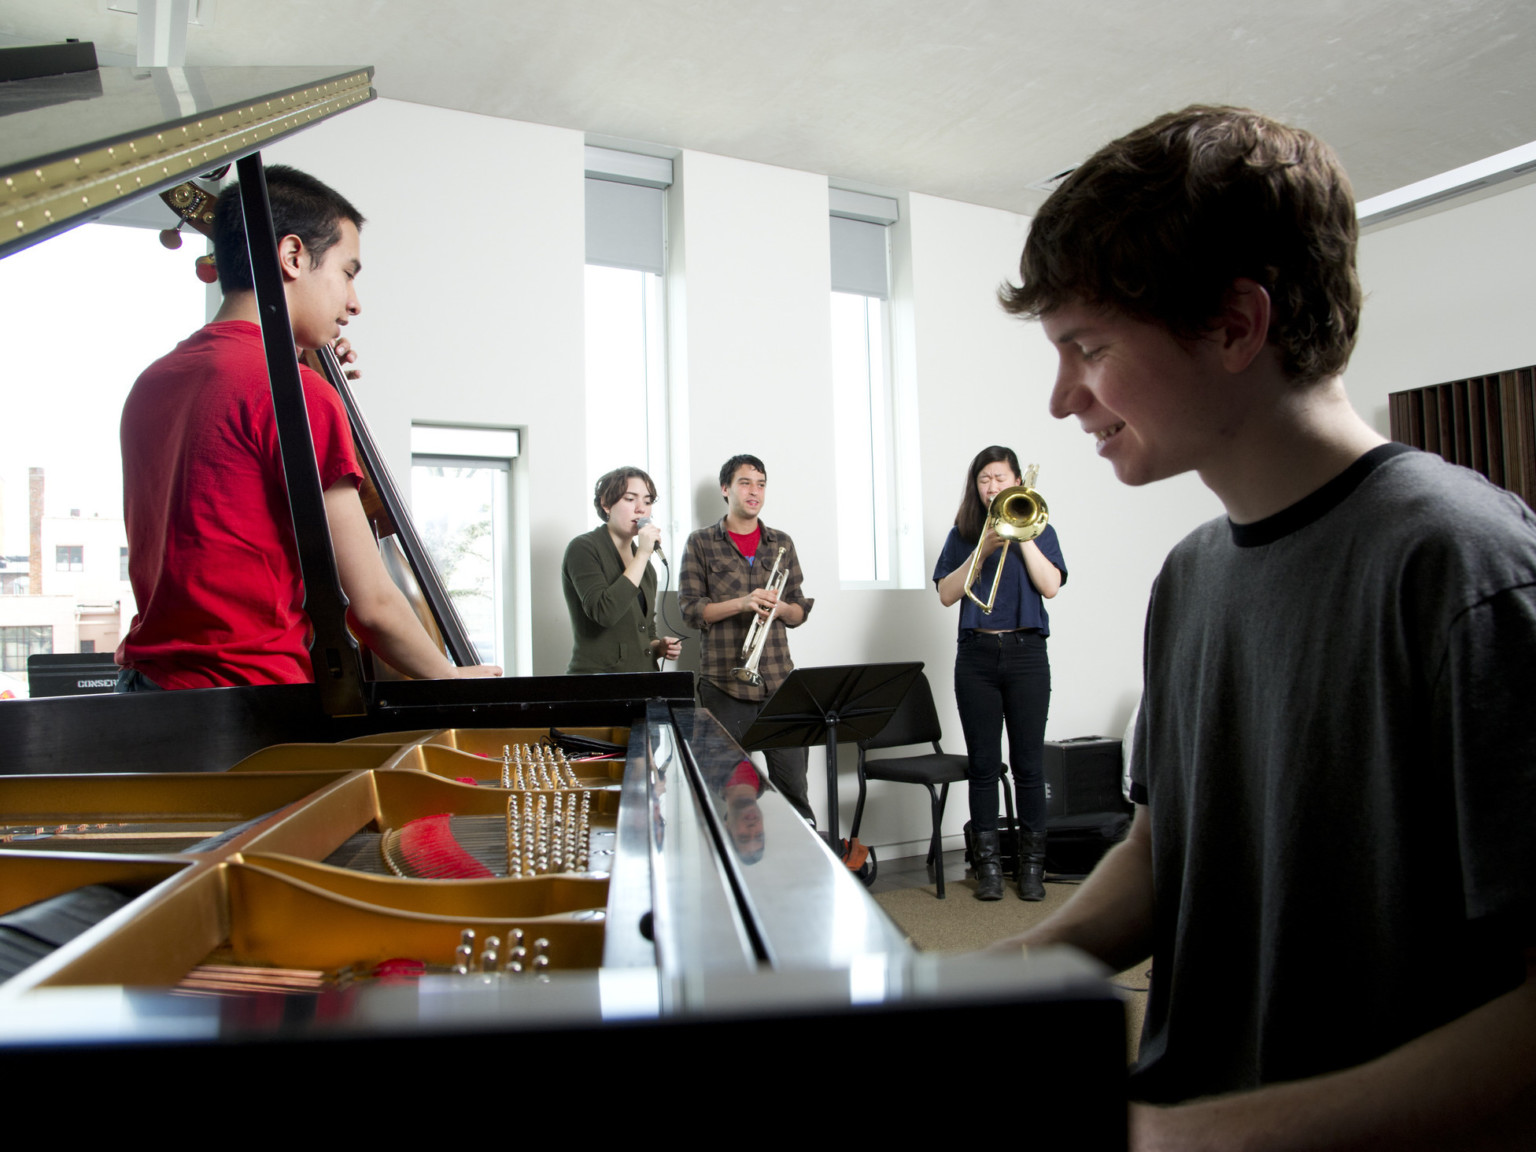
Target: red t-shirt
746,543
211,552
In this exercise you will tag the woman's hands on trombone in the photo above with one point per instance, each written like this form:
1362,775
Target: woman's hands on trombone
990,541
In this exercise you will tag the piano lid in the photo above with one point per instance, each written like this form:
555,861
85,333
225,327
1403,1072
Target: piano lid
73,147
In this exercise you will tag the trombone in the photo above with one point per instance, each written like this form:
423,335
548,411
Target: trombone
1016,514
757,634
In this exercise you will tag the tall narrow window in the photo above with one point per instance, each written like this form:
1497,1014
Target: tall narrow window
861,389
461,505
626,389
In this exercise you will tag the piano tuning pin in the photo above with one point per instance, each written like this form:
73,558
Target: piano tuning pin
489,953
515,937
464,952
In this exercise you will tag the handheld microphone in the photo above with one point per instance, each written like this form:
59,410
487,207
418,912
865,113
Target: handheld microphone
644,521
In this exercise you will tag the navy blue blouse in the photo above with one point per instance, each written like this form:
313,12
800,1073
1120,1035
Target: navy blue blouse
1018,604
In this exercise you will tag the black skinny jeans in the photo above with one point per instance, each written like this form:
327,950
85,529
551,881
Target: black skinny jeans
1004,679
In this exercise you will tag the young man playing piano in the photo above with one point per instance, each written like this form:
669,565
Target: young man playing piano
1331,861
211,552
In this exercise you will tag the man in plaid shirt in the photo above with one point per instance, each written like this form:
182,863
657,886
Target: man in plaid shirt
723,584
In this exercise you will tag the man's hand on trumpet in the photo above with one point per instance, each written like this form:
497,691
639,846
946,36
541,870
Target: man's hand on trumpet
761,601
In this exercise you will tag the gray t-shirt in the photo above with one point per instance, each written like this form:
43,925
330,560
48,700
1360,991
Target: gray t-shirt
1338,747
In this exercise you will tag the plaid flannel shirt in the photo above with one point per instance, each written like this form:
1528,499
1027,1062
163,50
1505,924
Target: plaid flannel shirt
714,570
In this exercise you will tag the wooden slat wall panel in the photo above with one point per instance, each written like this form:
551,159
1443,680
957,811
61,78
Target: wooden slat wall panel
1495,422
1447,447
1477,427
1429,437
1486,423
1461,440
1520,434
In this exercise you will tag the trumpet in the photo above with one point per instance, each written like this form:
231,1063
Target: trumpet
1016,514
757,634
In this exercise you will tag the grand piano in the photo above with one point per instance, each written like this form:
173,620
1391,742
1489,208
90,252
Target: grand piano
691,903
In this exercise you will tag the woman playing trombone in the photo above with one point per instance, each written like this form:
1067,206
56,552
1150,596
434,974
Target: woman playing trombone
610,585
1002,673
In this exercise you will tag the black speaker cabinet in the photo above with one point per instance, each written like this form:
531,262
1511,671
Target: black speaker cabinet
1082,777
70,674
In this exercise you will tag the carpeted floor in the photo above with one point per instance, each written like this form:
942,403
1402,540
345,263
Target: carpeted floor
961,923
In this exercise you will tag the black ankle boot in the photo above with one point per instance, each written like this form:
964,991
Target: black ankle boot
1031,865
987,863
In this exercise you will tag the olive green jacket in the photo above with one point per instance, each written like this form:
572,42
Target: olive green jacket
613,633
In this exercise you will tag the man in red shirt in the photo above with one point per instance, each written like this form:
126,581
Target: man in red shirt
722,588
211,554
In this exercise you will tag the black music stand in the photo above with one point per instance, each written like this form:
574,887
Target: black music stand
823,705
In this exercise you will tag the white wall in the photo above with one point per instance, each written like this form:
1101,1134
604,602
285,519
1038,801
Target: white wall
749,286
472,306
984,377
472,312
1447,296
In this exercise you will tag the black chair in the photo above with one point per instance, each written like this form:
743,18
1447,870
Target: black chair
916,722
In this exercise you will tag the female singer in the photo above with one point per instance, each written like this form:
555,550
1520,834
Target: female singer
1002,673
610,586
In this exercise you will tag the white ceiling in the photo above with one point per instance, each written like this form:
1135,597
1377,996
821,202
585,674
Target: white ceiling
969,99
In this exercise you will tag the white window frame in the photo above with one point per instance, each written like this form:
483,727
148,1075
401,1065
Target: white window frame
889,508
469,446
654,448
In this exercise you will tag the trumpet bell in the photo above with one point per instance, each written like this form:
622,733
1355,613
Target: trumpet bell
748,676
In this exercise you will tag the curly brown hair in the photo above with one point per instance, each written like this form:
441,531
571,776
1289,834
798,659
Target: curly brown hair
611,486
1158,224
